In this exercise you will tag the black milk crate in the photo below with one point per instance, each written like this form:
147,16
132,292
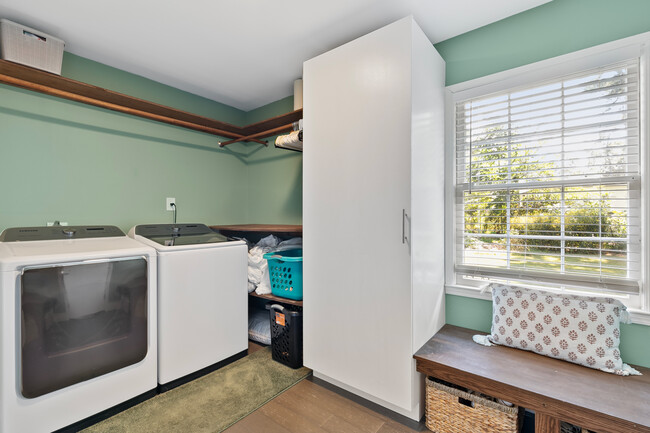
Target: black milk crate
286,335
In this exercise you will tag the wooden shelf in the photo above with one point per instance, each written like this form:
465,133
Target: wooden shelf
51,84
254,232
277,299
295,230
273,123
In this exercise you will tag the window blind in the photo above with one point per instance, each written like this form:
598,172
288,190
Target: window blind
548,182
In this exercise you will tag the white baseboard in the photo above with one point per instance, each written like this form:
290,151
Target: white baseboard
414,414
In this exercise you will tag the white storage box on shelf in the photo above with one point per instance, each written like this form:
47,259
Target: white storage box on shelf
30,47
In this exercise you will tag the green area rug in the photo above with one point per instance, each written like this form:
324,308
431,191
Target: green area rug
210,403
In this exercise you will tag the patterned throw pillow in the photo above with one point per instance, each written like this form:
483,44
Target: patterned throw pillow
578,329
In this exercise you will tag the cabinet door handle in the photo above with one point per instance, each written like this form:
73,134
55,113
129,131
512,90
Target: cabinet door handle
406,234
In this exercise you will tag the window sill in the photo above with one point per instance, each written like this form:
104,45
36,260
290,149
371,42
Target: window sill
639,317
468,292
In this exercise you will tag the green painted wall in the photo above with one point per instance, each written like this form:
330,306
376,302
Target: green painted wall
553,29
274,175
273,109
84,165
274,185
98,74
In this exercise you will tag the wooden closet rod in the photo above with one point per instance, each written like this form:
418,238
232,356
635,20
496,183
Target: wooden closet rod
266,133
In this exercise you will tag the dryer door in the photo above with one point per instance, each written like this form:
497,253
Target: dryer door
81,320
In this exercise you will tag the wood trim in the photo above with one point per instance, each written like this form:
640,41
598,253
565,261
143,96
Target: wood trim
273,122
589,398
62,87
277,299
274,131
546,423
36,80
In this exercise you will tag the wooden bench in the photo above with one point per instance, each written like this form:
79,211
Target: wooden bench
555,390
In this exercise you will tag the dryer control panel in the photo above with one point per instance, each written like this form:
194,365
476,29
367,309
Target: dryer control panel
22,234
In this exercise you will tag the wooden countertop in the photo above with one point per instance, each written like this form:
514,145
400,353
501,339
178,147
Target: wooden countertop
255,232
586,397
265,228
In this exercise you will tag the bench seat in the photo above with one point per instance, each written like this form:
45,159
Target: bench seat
555,390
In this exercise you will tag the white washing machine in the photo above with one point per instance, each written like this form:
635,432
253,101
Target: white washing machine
78,311
202,299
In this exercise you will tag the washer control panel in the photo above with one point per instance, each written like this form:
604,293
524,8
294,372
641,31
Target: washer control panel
171,235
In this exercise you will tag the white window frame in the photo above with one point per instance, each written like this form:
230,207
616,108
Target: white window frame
557,67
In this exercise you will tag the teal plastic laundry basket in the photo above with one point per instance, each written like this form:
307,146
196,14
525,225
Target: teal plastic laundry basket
285,272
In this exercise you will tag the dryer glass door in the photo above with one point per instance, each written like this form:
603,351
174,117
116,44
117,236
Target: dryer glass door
80,321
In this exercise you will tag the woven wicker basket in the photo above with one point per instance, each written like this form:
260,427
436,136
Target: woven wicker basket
450,410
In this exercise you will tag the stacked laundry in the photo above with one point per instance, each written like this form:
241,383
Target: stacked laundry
259,325
258,269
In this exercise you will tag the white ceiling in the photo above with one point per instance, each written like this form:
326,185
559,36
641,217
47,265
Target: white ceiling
244,53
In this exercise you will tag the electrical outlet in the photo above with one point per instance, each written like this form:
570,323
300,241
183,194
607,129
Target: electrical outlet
168,203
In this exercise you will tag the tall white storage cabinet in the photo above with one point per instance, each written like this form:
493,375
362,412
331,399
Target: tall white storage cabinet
373,194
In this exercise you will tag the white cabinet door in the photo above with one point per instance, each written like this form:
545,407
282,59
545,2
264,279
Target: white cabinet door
356,184
427,190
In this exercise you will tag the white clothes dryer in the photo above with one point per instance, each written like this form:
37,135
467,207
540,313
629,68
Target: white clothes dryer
202,299
78,336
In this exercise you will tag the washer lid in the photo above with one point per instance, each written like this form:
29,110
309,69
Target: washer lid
180,234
